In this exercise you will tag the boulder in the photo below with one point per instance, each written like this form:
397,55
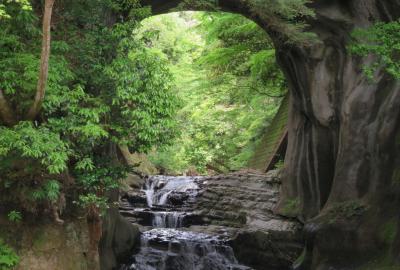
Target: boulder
119,240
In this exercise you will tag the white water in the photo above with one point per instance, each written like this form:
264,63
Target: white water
159,187
168,219
166,247
182,250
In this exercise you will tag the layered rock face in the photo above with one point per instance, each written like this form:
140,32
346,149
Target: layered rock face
343,156
246,201
233,211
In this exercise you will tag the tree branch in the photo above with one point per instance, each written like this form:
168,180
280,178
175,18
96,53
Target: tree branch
6,113
44,62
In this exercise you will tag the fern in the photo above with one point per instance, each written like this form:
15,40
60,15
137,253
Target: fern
14,216
8,258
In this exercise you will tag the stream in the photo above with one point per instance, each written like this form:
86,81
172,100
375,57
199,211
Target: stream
167,243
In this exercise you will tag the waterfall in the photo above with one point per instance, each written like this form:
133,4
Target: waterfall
158,188
163,198
168,219
168,245
164,249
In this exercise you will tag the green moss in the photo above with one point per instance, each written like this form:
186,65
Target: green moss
291,208
389,232
347,210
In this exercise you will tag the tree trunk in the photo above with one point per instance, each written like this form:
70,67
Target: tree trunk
6,113
95,232
44,62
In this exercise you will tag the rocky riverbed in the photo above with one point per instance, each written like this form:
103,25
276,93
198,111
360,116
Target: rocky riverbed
219,222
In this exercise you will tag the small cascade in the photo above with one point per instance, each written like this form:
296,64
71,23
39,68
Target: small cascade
166,208
162,195
168,219
164,249
158,188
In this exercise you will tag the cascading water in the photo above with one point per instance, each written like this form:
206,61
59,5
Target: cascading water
171,249
168,219
167,246
158,190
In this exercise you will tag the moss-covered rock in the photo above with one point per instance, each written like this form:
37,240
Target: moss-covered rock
44,246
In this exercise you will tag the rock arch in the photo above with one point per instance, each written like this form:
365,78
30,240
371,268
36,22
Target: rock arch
343,156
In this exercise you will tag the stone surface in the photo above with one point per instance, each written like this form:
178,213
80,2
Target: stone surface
44,246
245,201
237,206
119,240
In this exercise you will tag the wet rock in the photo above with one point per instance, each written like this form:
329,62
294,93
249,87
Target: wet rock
234,209
246,201
119,241
177,198
169,249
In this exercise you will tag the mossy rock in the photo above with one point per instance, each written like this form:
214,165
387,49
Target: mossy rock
48,246
347,211
388,231
291,208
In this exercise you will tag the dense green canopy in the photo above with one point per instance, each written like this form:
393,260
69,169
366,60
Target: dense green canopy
225,72
105,87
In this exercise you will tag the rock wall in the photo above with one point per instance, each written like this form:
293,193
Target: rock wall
119,240
246,201
343,155
49,246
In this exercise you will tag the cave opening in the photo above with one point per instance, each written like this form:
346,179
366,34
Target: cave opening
234,96
233,129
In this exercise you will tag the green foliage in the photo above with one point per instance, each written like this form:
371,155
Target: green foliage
14,216
6,5
92,200
102,177
287,18
8,258
104,87
145,102
49,191
383,41
97,178
217,62
25,141
209,5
